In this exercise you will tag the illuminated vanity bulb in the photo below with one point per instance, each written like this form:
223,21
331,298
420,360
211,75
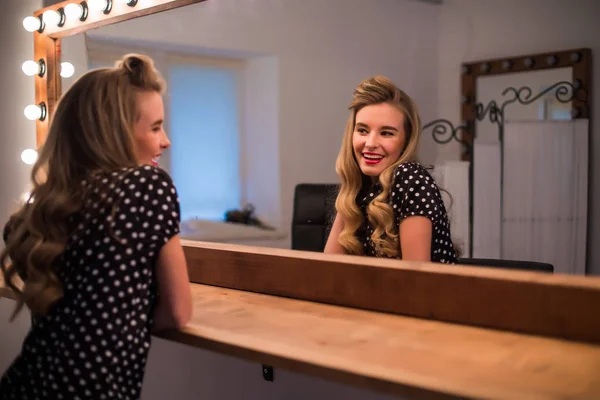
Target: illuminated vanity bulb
75,11
66,69
29,156
33,112
31,68
99,5
52,17
32,24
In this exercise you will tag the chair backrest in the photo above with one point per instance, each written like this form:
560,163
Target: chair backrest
314,210
508,264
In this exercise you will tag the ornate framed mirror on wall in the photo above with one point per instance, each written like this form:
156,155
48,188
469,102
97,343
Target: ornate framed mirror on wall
525,133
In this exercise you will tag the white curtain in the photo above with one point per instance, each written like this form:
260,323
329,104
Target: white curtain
453,177
545,193
486,199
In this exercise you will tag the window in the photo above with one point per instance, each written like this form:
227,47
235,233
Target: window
204,131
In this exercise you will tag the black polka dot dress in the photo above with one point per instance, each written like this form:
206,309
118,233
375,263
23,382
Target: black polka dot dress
94,342
413,193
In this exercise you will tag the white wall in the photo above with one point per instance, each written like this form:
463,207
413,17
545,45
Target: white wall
323,50
472,30
16,134
11,335
260,139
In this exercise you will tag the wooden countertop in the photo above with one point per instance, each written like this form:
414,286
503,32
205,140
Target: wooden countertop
389,353
385,352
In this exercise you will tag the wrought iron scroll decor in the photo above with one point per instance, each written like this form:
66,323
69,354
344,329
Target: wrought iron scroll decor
443,131
564,92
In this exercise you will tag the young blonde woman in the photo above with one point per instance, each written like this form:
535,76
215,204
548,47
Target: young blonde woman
388,204
97,245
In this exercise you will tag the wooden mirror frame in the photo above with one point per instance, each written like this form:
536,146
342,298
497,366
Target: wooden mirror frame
580,61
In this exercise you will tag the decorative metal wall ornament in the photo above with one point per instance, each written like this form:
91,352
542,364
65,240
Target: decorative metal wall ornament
443,131
564,91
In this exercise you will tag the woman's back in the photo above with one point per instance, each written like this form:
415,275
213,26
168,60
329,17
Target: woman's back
95,340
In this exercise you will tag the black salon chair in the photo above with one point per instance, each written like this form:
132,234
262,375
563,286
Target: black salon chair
314,210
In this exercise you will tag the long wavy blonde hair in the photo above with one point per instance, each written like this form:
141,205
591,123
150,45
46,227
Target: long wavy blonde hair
91,131
375,90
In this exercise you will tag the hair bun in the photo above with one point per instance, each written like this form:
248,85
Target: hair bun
138,67
133,63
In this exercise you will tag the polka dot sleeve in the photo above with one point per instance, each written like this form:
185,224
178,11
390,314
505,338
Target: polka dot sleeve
152,204
414,192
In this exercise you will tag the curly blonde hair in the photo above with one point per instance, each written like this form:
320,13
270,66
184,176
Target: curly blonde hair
375,90
91,131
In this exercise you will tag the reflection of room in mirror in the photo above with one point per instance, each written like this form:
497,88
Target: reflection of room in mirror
551,108
257,101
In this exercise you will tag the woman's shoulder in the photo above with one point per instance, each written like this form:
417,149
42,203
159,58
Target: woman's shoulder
411,170
132,184
150,181
144,175
145,172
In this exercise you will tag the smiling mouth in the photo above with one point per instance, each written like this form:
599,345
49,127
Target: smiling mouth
154,160
372,158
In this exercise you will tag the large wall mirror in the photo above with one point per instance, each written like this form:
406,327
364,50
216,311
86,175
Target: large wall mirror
257,101
258,94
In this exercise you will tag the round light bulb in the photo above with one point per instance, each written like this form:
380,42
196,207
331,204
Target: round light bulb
29,156
32,24
30,68
66,69
33,112
73,11
98,5
52,17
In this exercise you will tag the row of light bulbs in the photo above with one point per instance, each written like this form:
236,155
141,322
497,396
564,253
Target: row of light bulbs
58,18
71,11
31,68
